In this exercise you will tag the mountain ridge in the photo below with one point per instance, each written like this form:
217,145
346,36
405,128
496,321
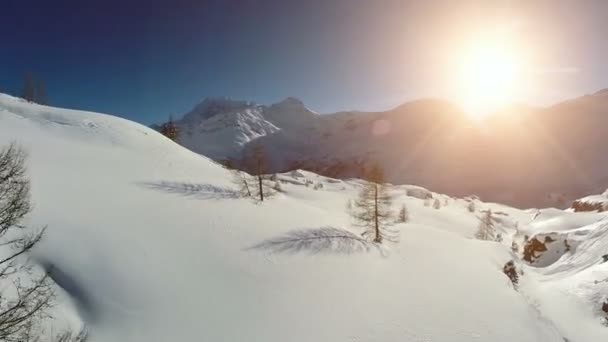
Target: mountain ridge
524,156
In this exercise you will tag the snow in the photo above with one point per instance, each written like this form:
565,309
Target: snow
152,245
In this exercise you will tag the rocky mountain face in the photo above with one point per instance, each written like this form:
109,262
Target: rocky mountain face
523,156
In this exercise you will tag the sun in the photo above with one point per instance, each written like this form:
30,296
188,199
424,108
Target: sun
490,75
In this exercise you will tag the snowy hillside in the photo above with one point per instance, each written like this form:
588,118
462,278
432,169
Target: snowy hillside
150,243
523,156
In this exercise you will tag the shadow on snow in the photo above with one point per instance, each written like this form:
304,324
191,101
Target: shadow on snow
315,241
199,191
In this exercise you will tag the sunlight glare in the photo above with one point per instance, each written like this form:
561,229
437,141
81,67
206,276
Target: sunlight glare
489,77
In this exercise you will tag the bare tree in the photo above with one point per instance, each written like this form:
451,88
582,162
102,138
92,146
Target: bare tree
28,92
257,163
372,207
243,183
23,303
404,214
169,129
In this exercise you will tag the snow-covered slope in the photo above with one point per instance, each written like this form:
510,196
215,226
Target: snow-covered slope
523,156
155,247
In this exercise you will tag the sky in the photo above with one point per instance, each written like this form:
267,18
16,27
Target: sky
147,59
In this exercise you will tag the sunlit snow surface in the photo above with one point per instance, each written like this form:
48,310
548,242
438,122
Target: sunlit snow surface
149,243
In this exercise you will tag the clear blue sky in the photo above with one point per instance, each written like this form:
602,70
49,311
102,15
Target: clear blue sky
146,59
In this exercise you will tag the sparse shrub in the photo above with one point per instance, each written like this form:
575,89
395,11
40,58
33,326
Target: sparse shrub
471,207
318,186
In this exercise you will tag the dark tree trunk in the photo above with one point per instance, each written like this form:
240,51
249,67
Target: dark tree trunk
376,223
261,187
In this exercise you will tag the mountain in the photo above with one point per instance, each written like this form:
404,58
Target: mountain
523,156
148,241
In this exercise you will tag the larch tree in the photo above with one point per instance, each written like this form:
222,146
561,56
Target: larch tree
372,208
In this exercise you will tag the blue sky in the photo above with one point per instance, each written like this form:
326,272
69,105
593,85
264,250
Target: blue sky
147,59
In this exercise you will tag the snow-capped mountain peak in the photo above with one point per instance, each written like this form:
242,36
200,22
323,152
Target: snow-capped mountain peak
212,106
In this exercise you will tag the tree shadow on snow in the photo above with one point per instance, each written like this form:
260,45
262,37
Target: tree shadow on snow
316,241
199,191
